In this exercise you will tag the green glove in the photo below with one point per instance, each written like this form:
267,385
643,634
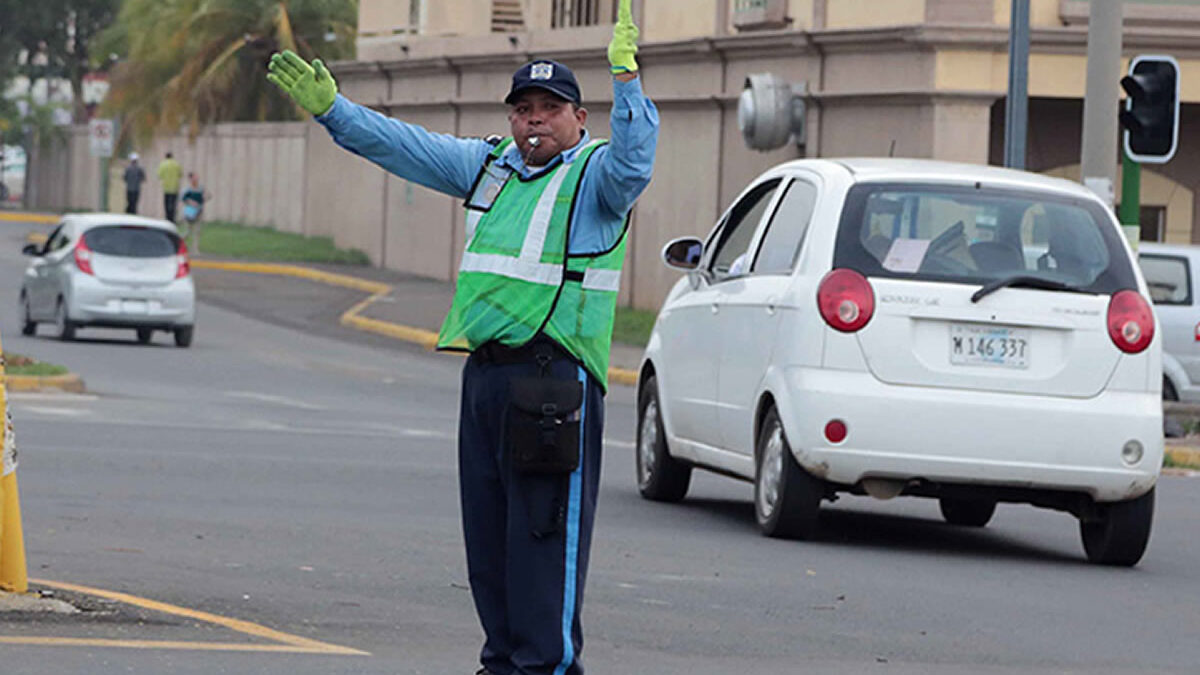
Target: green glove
624,41
311,87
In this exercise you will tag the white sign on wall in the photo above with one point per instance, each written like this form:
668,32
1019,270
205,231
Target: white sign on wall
100,137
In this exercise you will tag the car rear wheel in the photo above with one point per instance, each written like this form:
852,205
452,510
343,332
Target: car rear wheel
787,499
183,336
660,476
28,325
144,335
66,327
1119,532
967,512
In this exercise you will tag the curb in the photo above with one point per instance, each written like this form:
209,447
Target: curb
353,317
25,217
69,382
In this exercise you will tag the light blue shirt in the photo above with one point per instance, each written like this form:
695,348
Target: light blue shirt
615,177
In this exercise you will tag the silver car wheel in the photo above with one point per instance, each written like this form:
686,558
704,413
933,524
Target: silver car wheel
60,317
648,442
770,473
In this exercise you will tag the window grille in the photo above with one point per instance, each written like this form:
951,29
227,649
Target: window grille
573,13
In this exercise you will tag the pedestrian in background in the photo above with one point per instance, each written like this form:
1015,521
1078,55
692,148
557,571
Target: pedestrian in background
193,208
134,177
169,175
547,218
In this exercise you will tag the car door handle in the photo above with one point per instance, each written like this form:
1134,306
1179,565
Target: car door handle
770,310
715,308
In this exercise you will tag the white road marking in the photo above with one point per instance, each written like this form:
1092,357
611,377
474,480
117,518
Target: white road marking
272,398
47,410
620,444
62,397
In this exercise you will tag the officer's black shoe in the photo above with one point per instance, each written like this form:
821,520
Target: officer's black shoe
483,671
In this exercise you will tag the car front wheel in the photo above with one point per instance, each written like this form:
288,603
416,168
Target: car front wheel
1117,535
787,499
28,325
660,476
144,335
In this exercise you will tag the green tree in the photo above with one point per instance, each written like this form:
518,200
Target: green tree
42,39
195,62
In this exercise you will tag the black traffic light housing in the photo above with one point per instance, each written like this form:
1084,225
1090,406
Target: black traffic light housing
1151,114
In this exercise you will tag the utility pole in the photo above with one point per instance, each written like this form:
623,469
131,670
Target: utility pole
1099,148
1016,110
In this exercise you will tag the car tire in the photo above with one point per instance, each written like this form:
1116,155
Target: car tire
183,336
1118,533
28,325
967,512
144,335
787,499
66,327
1169,393
660,477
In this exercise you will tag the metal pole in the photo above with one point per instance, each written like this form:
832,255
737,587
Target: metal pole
1131,191
105,172
1016,119
1099,143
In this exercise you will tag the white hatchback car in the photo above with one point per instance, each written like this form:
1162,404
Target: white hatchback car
900,327
1173,274
110,270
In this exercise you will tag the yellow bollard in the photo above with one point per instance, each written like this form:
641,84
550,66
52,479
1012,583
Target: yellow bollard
13,575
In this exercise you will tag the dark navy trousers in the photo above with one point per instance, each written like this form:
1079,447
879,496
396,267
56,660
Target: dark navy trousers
527,583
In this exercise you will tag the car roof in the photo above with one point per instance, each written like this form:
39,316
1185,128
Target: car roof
1189,250
888,169
87,221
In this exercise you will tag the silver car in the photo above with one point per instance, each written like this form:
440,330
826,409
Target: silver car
1173,274
113,271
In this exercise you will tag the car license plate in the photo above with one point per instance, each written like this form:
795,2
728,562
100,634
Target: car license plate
976,345
134,306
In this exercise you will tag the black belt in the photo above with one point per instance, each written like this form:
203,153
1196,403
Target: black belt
539,348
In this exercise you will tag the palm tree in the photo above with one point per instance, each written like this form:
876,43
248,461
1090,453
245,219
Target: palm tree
194,62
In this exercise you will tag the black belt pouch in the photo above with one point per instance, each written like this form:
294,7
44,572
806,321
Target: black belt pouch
543,424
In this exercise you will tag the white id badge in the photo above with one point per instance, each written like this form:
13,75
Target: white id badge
490,185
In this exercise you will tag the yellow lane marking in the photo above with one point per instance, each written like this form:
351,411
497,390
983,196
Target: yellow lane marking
290,643
354,318
21,217
164,644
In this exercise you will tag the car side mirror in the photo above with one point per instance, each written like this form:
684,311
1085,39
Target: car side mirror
683,253
31,249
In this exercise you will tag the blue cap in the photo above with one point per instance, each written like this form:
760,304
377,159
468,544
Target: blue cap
552,76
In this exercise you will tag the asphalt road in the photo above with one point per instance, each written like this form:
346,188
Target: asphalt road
304,479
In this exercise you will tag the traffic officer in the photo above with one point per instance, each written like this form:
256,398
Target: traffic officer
547,214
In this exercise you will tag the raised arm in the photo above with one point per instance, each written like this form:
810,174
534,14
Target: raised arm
437,161
625,168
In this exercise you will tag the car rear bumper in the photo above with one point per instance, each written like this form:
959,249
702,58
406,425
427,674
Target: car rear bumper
958,437
98,303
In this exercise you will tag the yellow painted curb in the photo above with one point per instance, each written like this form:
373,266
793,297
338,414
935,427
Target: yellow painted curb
23,217
1183,455
68,382
353,317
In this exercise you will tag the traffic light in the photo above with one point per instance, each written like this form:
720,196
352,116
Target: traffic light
1151,114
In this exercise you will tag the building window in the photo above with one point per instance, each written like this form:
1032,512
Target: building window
414,15
760,14
572,13
507,16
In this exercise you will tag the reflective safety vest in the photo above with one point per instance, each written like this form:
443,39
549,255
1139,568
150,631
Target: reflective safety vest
516,277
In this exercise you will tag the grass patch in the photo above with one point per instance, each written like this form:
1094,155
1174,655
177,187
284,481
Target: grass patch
232,240
17,364
633,326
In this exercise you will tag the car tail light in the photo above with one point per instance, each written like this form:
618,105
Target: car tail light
83,256
1197,332
183,267
1130,321
846,300
836,431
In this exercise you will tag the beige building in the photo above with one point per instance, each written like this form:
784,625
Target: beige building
910,78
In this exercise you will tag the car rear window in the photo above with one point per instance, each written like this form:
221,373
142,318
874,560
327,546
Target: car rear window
132,241
976,235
